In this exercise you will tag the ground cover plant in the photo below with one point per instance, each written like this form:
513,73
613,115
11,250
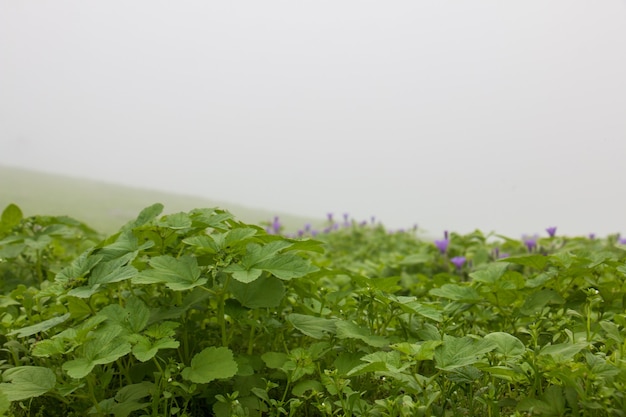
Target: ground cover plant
196,314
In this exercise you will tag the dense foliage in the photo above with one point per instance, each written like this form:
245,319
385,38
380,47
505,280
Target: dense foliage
196,314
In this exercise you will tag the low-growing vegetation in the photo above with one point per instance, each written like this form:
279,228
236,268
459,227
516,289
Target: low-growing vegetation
198,314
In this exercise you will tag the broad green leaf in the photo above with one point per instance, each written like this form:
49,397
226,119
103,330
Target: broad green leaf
274,360
308,245
24,382
490,274
349,330
204,243
162,329
145,216
49,347
210,364
132,318
241,274
302,387
145,349
465,375
11,251
11,217
134,392
563,352
78,268
265,292
175,221
505,373
417,259
379,362
256,253
177,274
112,271
5,404
210,217
40,327
506,344
421,351
286,266
78,307
536,301
534,261
422,309
125,243
124,409
105,347
456,352
238,236
457,293
315,327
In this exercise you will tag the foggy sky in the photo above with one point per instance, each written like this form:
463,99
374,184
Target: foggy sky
504,116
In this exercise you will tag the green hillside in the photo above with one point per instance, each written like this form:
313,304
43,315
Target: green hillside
105,206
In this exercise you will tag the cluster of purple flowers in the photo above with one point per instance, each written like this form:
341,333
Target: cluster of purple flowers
275,227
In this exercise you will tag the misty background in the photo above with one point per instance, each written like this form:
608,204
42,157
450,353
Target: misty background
502,116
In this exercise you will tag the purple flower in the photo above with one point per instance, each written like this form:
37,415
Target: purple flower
442,245
307,227
329,216
345,217
530,242
445,234
621,240
276,225
458,261
592,236
551,231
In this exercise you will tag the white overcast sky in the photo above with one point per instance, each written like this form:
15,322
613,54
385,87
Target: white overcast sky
508,116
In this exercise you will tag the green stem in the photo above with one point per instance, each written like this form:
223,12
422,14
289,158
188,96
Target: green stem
220,311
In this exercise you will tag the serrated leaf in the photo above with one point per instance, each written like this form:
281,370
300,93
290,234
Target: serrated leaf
422,309
145,216
456,352
175,221
490,274
105,347
563,352
287,266
145,349
177,274
162,329
534,261
210,364
315,327
256,253
536,301
506,344
456,292
241,274
40,327
349,330
265,292
27,382
125,243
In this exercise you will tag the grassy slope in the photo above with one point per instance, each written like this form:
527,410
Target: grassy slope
106,207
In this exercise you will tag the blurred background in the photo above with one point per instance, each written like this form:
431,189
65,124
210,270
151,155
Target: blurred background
501,116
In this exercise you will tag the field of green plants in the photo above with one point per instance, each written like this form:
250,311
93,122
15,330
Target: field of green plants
198,314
